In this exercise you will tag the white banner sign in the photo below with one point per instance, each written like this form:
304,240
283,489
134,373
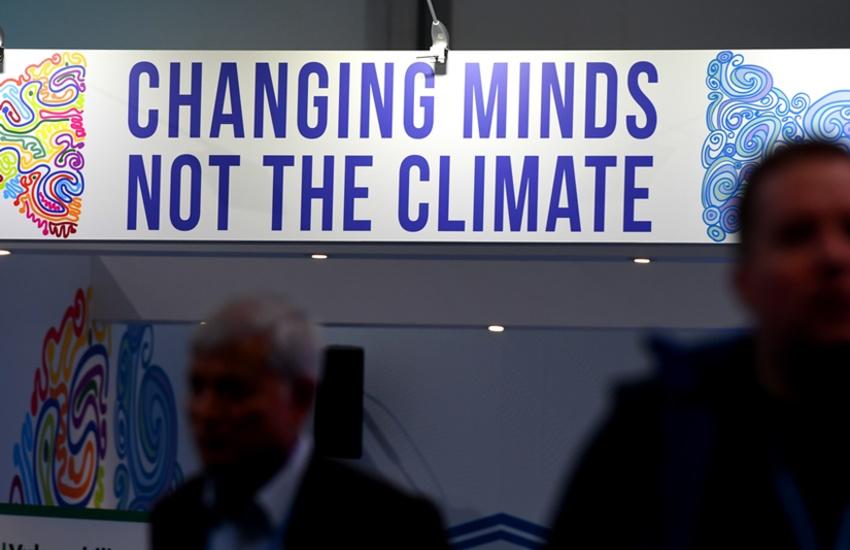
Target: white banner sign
44,528
630,146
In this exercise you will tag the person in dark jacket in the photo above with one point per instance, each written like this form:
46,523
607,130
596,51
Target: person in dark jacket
742,444
253,380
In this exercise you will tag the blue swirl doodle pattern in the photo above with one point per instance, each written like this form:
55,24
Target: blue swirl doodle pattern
22,457
146,425
748,117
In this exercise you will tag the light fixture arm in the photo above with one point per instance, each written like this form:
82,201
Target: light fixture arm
433,13
439,41
2,46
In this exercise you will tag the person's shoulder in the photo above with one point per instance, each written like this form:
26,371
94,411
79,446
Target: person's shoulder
183,499
344,479
682,375
176,520
686,369
671,407
362,509
352,489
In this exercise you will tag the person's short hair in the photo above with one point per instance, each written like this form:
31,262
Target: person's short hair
292,337
776,161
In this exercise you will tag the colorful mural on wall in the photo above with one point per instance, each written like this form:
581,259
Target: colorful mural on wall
62,457
41,141
63,443
145,424
748,117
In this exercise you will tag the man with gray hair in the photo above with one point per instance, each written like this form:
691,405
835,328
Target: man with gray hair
254,372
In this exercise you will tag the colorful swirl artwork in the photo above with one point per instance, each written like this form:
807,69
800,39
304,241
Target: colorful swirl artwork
59,459
63,457
145,424
748,117
41,142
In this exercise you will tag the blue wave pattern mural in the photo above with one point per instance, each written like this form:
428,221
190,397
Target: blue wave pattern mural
748,117
145,424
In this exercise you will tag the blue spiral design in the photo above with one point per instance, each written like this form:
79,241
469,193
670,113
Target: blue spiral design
23,459
829,117
748,117
145,426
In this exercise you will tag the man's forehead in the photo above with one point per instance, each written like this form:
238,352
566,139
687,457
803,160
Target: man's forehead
246,355
806,183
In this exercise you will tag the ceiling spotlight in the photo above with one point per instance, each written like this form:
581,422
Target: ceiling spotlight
5,252
319,256
642,260
496,328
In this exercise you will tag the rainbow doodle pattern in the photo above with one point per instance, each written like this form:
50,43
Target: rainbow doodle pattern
41,141
145,424
747,117
60,456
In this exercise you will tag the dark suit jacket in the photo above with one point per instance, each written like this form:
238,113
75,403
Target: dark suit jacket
335,507
686,461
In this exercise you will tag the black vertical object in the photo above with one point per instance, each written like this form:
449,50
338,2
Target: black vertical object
423,28
2,46
338,428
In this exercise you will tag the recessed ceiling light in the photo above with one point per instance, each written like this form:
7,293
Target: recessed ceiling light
319,256
203,322
5,252
642,260
496,328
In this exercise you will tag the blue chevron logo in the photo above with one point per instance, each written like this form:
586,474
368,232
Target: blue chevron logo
498,528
